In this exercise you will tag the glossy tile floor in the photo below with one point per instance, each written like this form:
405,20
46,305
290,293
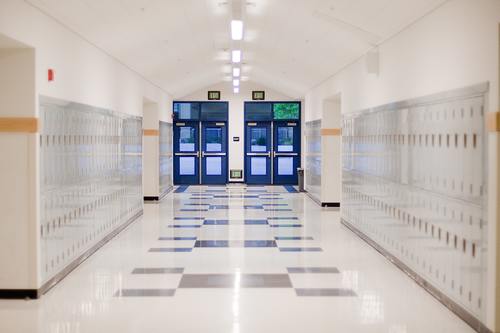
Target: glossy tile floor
235,259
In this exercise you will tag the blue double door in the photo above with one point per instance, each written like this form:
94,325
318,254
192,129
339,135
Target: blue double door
200,152
272,152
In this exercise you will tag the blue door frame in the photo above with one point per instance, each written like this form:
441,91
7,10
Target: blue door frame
258,146
214,163
186,153
286,152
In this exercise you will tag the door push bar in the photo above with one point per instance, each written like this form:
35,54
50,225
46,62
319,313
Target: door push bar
268,154
284,154
203,154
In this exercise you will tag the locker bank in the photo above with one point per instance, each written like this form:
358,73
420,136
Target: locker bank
250,166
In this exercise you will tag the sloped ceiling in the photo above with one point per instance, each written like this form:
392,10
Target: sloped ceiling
184,45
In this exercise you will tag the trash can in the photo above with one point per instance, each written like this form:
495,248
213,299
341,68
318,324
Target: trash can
300,175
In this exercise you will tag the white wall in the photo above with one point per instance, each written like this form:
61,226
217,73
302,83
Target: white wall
83,73
236,113
454,47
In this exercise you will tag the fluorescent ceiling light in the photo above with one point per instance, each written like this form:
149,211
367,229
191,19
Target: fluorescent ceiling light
237,30
236,56
236,90
236,82
236,72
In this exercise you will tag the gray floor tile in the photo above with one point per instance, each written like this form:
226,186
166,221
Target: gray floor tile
297,270
325,292
145,293
158,270
228,281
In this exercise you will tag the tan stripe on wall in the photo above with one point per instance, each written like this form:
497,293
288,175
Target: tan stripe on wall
19,125
151,132
331,131
493,121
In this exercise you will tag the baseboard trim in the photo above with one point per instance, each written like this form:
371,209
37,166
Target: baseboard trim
330,204
167,191
323,204
78,261
157,199
454,307
19,293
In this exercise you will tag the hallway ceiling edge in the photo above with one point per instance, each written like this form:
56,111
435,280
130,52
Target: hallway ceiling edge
183,46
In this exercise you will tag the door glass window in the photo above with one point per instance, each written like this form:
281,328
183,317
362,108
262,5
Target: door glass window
285,139
187,166
187,139
213,139
285,166
258,166
214,166
258,139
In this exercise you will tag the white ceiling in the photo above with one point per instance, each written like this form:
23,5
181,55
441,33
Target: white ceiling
184,45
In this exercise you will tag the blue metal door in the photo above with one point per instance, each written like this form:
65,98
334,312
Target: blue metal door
258,152
214,162
286,152
186,153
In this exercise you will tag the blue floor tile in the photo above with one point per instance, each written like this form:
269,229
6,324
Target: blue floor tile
185,226
290,189
282,218
286,225
255,222
219,207
192,210
266,205
189,218
171,249
216,222
235,243
278,210
181,189
293,238
253,207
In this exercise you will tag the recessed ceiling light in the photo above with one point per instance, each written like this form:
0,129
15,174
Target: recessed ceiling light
236,56
236,90
236,72
236,82
237,30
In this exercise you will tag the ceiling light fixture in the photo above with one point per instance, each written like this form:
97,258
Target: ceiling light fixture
237,29
236,90
236,56
236,72
236,82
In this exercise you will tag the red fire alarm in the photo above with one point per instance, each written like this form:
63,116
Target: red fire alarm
51,75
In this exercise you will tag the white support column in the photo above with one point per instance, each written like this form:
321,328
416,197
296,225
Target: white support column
151,151
331,148
493,278
19,190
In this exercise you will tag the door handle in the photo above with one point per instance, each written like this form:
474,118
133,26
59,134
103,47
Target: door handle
268,154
